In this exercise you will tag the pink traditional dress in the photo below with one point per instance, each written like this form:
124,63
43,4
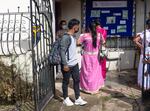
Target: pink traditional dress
91,79
103,61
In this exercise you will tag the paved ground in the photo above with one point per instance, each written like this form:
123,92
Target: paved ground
119,94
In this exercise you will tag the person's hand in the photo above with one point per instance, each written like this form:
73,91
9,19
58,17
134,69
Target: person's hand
146,73
66,68
144,61
141,47
104,44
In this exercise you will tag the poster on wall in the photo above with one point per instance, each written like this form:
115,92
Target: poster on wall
121,28
95,13
113,31
122,21
116,16
111,20
125,14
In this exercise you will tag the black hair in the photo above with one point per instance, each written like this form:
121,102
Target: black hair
72,23
92,28
61,22
148,23
97,22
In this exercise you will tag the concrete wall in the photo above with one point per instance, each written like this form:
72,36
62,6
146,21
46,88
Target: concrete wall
23,62
140,14
127,59
71,9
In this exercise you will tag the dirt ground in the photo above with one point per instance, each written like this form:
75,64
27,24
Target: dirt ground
119,94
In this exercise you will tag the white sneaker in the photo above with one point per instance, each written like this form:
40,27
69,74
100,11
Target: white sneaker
80,101
68,102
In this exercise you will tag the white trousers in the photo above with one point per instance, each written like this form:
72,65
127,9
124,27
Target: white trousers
140,73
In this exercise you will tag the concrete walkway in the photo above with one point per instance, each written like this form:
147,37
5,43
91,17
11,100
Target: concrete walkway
119,94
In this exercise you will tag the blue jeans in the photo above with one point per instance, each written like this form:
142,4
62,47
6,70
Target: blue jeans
74,72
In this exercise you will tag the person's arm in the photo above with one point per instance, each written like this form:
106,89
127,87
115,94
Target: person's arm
80,40
137,40
103,39
65,42
146,61
104,33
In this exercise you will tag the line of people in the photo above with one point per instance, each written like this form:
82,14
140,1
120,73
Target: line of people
92,75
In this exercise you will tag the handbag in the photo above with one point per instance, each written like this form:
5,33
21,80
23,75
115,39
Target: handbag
103,52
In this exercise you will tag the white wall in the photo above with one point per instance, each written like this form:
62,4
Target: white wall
140,14
71,9
125,60
53,13
23,62
12,5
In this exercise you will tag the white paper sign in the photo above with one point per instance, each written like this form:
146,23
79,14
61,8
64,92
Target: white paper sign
95,13
111,20
117,14
109,4
106,28
125,14
105,11
121,28
113,31
122,22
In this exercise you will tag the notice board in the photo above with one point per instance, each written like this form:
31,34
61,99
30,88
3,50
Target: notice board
116,16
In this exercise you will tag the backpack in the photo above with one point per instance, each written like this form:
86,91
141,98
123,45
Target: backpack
54,56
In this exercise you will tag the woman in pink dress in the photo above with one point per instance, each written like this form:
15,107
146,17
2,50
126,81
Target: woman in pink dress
101,30
91,79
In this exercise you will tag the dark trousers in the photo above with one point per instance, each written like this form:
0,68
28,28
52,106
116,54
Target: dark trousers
74,72
148,68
